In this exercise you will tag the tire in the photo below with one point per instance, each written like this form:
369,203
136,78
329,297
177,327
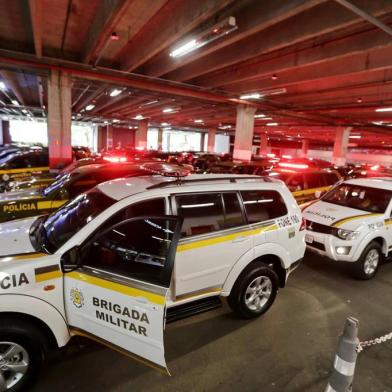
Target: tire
260,279
367,265
28,345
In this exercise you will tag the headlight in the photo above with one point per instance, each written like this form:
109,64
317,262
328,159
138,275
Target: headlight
348,235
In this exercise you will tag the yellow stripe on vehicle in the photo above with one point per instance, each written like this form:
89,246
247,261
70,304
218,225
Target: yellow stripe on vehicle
46,205
48,276
213,290
224,238
307,192
126,290
22,257
343,221
388,221
24,170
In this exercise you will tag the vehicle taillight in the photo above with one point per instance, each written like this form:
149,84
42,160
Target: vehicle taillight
303,225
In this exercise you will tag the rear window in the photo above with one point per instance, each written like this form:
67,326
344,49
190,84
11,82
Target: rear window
261,206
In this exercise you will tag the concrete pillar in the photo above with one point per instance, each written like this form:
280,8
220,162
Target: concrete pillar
340,146
244,133
5,136
211,140
263,144
141,135
305,148
59,119
202,140
160,139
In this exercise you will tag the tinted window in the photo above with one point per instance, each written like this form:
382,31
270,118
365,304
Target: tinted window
261,206
18,163
202,213
331,178
295,183
314,180
138,249
233,211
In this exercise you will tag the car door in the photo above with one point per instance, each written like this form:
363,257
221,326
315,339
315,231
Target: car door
117,295
214,236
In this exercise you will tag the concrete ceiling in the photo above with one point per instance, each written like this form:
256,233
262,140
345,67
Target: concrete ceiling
331,61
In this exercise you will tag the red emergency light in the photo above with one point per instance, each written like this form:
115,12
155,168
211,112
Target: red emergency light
294,165
115,159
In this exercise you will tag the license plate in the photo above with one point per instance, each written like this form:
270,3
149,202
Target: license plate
308,239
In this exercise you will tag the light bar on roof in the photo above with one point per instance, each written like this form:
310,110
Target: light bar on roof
221,29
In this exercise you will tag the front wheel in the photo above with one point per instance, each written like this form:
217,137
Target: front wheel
254,291
21,355
367,265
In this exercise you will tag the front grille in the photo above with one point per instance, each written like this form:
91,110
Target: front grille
319,228
317,245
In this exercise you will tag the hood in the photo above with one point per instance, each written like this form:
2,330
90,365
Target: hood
338,216
21,195
14,237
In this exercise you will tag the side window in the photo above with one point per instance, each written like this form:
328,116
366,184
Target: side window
17,163
296,183
261,206
136,248
233,211
330,178
202,213
314,180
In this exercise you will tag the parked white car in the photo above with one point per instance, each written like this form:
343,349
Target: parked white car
352,223
110,263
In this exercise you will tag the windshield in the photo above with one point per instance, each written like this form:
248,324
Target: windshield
60,226
359,197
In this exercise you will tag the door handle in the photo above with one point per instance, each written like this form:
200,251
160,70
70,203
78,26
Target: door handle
239,239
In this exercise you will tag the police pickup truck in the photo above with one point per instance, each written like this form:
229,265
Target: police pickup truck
353,224
40,201
107,264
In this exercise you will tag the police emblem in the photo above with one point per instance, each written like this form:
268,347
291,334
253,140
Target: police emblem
77,298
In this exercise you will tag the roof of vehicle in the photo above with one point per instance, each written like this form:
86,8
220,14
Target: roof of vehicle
378,182
85,169
124,187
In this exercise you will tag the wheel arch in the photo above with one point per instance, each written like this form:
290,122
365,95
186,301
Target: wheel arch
40,313
376,237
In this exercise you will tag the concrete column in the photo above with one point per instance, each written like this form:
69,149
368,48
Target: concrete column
141,134
340,146
263,144
211,140
5,136
305,148
59,119
202,140
160,139
244,133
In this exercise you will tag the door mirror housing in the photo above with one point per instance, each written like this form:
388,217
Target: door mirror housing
70,260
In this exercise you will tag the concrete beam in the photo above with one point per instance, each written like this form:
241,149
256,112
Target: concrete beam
35,7
251,18
317,21
244,133
174,20
141,135
341,146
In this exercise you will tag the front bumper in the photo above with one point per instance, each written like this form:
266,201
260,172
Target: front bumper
328,245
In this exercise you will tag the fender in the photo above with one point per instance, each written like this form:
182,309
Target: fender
367,239
251,255
32,306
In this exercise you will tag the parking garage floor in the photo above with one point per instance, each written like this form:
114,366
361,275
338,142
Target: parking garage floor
291,348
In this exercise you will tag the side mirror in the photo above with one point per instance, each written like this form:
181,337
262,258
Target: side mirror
70,260
317,194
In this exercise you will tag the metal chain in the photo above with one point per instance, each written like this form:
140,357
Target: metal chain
373,342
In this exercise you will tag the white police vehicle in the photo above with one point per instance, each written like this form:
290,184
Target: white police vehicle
116,262
353,223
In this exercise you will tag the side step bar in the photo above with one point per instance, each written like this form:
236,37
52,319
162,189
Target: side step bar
186,310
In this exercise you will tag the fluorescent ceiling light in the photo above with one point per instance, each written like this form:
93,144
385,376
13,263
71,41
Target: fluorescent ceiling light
355,136
221,29
24,111
15,102
264,119
116,120
168,110
2,86
384,110
167,128
198,121
165,124
139,117
90,107
272,124
115,92
259,115
251,96
149,103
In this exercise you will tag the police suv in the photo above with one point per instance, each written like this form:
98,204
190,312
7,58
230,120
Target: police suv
108,264
353,223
